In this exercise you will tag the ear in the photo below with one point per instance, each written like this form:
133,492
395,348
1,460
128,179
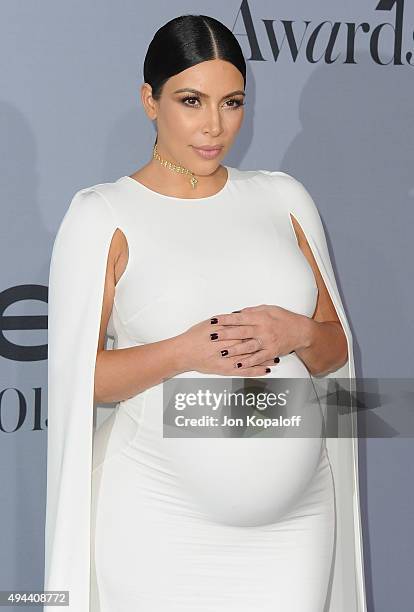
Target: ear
148,102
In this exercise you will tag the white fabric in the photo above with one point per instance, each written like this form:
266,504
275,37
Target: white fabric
155,523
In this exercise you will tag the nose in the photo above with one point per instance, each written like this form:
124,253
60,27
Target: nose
213,122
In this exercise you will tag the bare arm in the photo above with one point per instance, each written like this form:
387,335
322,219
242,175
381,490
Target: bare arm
123,373
325,348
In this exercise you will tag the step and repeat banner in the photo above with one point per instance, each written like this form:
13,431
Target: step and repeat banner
329,100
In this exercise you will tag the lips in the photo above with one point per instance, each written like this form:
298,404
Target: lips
208,151
209,147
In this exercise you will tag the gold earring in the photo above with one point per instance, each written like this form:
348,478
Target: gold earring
175,167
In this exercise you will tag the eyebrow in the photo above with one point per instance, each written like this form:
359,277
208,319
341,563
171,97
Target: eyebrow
204,95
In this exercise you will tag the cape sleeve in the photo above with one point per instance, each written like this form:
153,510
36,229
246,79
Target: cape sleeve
347,586
76,285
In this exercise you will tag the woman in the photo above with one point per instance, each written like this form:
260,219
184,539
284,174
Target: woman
195,269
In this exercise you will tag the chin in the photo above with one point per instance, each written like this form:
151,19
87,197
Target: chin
207,169
207,165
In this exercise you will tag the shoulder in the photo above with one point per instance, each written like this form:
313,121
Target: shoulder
90,215
282,188
291,193
286,185
285,193
92,203
275,180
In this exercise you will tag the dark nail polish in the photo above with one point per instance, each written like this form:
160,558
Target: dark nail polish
276,359
214,336
225,352
214,320
268,370
236,310
239,365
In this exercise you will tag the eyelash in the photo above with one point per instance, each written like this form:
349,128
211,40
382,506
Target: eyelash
238,104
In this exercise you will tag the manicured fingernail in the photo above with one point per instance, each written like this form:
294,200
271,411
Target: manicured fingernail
276,359
268,370
225,352
236,310
213,320
239,365
213,336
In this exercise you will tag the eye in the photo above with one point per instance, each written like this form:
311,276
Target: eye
184,100
238,102
234,102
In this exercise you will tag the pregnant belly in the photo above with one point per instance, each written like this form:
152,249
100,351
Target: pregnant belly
253,481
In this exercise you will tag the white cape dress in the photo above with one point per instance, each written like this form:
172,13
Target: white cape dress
76,284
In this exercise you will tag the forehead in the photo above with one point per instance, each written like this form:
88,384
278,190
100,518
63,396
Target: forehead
211,77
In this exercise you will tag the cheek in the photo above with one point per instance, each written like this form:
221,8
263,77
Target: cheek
179,120
233,121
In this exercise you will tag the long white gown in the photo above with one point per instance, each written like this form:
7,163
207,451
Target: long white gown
138,521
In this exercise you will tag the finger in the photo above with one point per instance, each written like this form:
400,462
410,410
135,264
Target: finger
250,345
225,344
258,370
236,360
270,362
250,359
243,361
232,333
236,318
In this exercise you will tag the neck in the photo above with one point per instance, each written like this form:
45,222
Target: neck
171,183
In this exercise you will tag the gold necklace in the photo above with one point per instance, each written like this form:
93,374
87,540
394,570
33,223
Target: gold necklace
175,167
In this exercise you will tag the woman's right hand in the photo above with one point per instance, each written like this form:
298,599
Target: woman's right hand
201,354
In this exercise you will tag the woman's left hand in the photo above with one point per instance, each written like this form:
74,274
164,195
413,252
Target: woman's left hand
265,332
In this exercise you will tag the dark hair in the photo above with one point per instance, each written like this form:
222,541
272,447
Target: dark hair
185,41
